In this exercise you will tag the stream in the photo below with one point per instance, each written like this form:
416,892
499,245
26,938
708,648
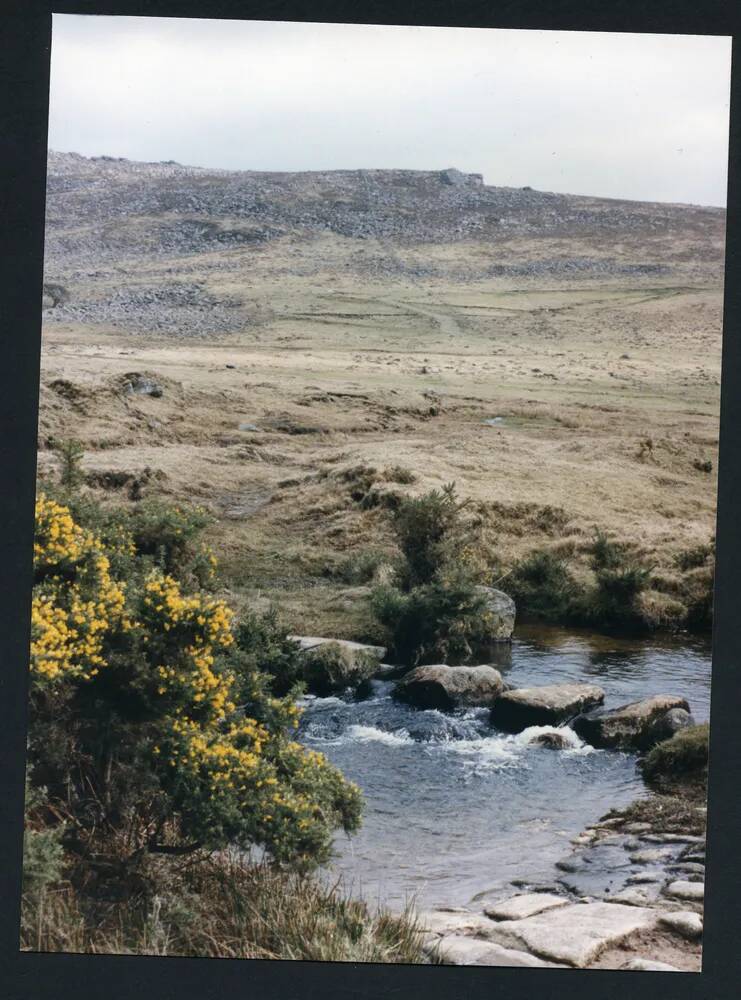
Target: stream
455,807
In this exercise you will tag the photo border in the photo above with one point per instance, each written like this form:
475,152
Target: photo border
25,35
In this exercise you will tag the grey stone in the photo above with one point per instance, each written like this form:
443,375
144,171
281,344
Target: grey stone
647,965
527,905
543,706
635,726
684,922
651,855
460,950
686,890
575,934
498,620
443,687
331,665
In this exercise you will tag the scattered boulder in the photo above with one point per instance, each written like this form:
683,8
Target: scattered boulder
636,726
543,706
498,619
331,665
443,687
141,385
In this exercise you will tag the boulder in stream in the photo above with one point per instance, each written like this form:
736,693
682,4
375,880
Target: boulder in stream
498,619
331,665
443,687
549,705
636,726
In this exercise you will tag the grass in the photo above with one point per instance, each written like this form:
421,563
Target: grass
682,760
223,907
665,813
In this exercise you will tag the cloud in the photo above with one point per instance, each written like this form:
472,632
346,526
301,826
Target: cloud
635,116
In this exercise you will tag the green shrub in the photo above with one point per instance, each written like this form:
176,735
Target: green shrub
70,453
694,557
620,580
426,528
681,760
265,646
438,622
43,855
543,586
151,727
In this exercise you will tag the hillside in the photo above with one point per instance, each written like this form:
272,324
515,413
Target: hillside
558,357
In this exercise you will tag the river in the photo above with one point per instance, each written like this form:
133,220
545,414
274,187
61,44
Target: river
455,807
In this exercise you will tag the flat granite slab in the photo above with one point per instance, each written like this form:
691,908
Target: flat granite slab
574,934
456,949
525,905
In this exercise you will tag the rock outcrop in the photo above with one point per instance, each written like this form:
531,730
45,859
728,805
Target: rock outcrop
636,726
543,706
443,687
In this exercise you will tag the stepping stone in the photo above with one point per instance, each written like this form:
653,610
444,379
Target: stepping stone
650,855
456,950
519,907
543,706
442,922
688,867
636,896
574,934
684,922
644,965
644,878
686,890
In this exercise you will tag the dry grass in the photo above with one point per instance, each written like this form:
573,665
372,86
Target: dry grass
222,908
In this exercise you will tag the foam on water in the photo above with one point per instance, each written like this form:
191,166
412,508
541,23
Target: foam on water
371,734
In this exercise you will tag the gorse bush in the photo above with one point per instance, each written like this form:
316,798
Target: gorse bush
620,580
426,528
436,612
543,587
150,725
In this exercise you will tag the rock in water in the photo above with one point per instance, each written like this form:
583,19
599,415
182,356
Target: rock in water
636,726
332,665
543,706
553,740
499,615
443,687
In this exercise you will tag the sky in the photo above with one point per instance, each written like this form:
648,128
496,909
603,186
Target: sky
633,116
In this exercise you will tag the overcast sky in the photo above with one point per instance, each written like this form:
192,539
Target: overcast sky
617,115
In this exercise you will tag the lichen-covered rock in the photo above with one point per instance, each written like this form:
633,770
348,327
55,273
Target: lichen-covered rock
543,706
443,687
636,726
331,665
499,615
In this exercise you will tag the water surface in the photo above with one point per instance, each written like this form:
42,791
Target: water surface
455,807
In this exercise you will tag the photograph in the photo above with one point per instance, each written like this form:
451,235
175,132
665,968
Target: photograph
377,472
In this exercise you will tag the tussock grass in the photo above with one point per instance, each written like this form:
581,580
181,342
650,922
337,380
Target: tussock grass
222,908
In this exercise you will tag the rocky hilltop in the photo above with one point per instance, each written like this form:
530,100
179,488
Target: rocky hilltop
106,214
